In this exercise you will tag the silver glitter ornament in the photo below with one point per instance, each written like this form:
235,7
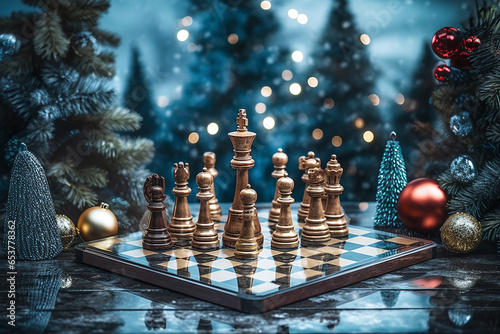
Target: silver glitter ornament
9,45
463,169
461,124
85,43
30,222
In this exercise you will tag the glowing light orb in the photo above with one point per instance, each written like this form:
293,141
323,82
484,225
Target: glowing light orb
212,128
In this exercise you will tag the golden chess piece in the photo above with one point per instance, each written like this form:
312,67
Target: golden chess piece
242,140
209,162
205,236
315,231
283,262
280,160
156,236
247,246
305,164
181,225
333,211
285,236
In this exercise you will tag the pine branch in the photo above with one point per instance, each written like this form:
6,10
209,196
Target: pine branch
84,11
79,194
17,22
93,95
113,119
91,65
58,77
134,152
493,134
488,90
92,176
105,37
483,195
22,64
49,39
129,184
105,142
40,130
16,95
491,225
448,183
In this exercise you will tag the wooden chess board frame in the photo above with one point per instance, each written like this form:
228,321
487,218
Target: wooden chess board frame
259,286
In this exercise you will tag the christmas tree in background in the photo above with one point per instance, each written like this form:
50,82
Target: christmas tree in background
56,97
345,119
234,57
391,181
466,153
137,96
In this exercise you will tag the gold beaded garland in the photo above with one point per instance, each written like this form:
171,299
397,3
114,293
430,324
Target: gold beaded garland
461,233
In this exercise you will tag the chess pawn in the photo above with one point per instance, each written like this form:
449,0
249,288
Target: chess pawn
305,164
315,230
246,246
156,236
333,211
209,162
181,225
279,160
205,236
285,236
242,140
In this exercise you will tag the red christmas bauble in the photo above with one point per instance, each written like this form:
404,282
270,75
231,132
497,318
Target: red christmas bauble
461,60
442,72
446,42
422,205
472,43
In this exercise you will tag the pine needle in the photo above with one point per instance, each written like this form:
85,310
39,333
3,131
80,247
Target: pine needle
491,225
49,39
79,194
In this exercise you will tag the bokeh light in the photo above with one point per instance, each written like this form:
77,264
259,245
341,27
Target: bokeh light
399,99
182,35
363,206
297,56
287,75
260,108
302,18
328,103
187,21
368,136
365,39
359,123
266,91
295,89
336,141
268,122
266,5
352,170
317,134
162,101
293,13
212,128
312,82
374,99
233,38
193,137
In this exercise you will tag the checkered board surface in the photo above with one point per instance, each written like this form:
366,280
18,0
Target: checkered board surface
274,270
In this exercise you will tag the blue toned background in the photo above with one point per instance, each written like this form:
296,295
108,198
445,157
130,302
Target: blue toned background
329,76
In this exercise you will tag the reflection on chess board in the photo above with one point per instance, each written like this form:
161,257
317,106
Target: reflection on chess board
275,271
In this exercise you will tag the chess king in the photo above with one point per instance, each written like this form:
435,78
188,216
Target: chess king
242,140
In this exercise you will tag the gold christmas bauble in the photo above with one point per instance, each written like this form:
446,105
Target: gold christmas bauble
461,233
67,230
97,222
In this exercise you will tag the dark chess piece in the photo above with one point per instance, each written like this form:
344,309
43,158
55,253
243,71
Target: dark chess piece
285,236
155,318
247,246
204,326
280,160
209,162
156,235
242,140
305,164
181,225
315,230
333,211
205,236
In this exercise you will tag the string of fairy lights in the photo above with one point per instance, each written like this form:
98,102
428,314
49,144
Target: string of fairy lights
294,88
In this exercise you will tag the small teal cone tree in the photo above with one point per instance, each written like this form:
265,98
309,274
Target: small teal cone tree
391,180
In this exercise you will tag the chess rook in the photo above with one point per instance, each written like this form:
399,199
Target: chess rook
242,140
205,236
285,236
333,211
181,225
246,246
280,160
156,236
305,164
315,230
209,162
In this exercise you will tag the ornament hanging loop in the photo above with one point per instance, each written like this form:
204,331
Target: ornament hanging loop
23,147
393,136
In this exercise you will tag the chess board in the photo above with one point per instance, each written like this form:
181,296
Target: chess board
275,279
